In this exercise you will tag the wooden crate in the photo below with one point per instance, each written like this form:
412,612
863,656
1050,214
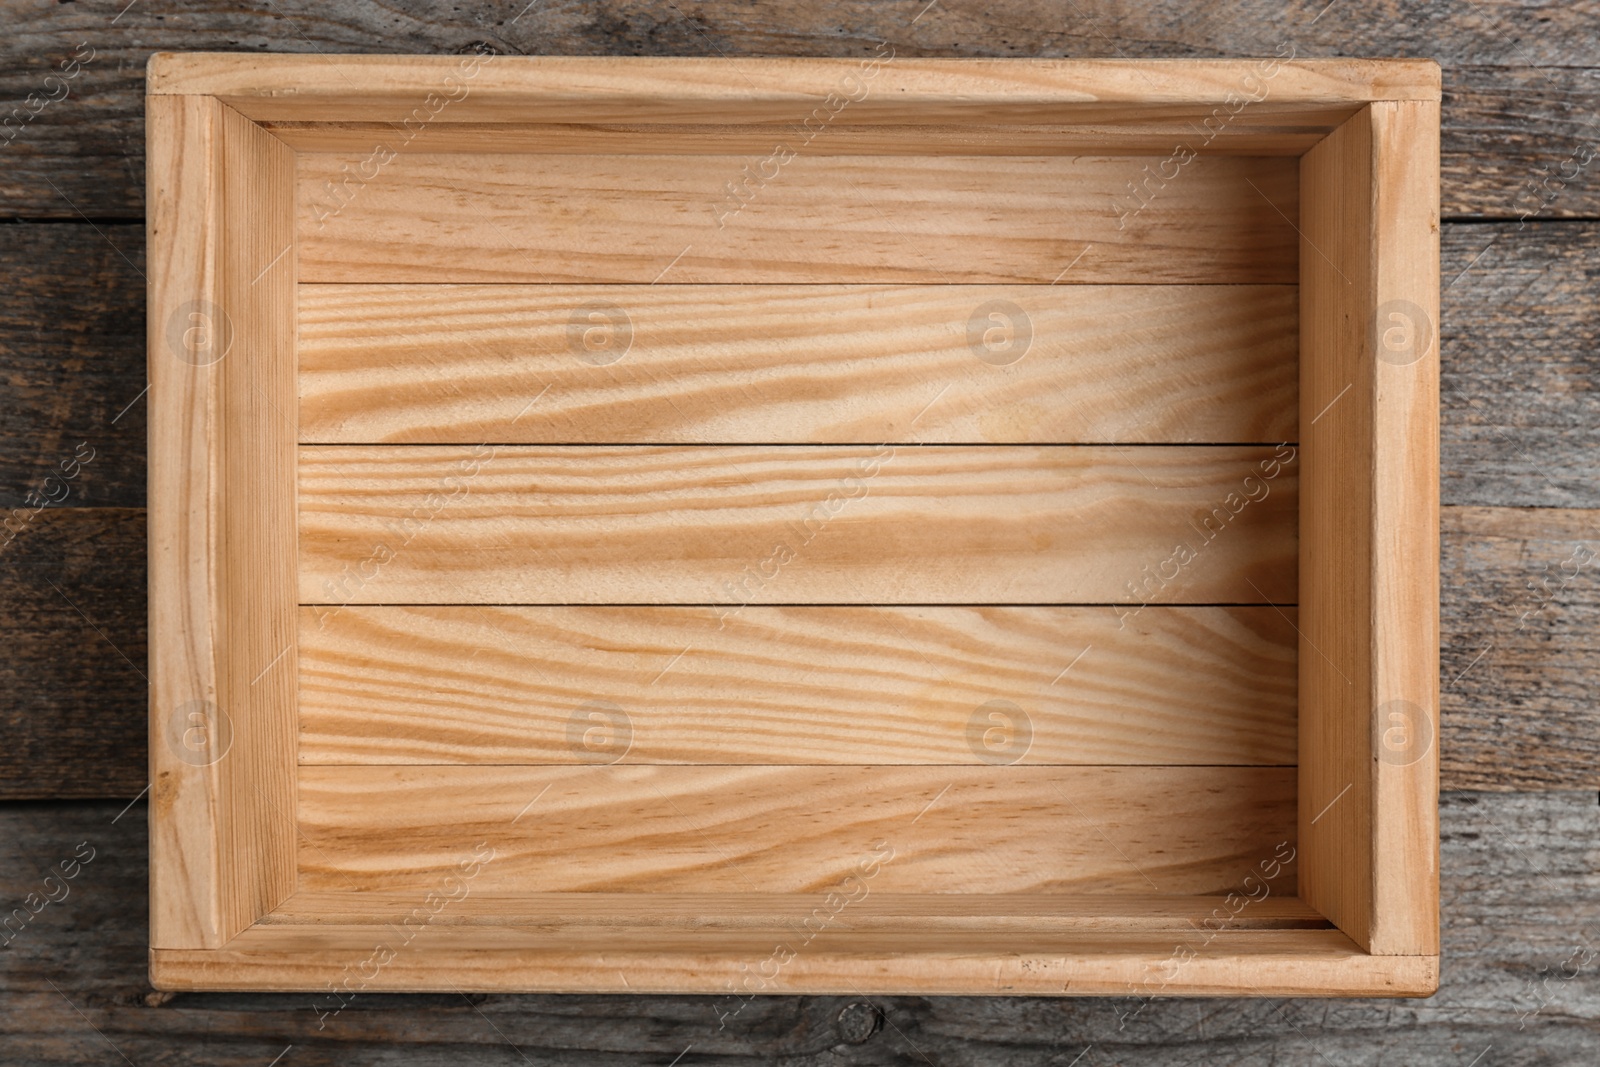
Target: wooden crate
884,525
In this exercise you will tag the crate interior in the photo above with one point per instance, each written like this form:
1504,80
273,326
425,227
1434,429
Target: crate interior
714,527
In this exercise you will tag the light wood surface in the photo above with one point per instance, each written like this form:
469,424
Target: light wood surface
1502,919
599,89
1276,133
1405,562
735,525
252,501
782,913
836,219
187,838
797,685
1336,520
1269,963
1369,530
1500,85
1518,326
827,364
763,829
222,663
729,535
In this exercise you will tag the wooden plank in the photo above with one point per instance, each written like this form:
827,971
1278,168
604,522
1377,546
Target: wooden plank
1336,517
1519,876
220,346
733,363
1519,330
1319,962
1368,660
839,219
189,840
736,525
1498,77
72,655
763,829
1520,634
1518,323
600,88
251,506
1279,134
803,685
72,427
779,913
1405,516
1518,138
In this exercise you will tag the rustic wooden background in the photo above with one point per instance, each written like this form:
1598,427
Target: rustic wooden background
1521,615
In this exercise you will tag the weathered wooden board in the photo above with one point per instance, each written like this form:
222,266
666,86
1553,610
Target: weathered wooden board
1509,67
1520,635
73,664
762,829
72,417
830,685
741,524
1520,337
1522,910
821,219
430,364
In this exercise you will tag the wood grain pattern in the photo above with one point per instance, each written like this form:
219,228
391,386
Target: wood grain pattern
1183,830
1520,631
1273,962
1338,306
72,655
1405,546
797,685
1368,665
588,89
1519,90
220,348
250,507
816,219
1518,876
1519,333
1277,134
779,913
736,525
71,333
1515,914
1520,636
831,365
188,838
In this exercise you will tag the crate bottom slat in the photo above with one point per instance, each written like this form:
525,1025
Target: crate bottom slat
347,959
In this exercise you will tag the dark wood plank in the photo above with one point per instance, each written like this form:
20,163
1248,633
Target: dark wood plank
1521,913
72,654
1522,142
72,422
1520,86
1520,383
